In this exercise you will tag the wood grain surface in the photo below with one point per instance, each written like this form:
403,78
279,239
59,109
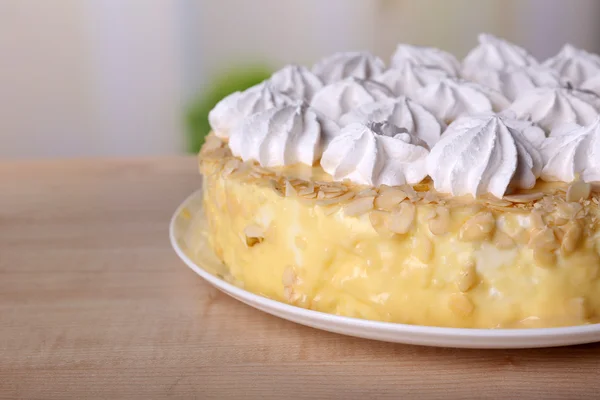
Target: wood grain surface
95,304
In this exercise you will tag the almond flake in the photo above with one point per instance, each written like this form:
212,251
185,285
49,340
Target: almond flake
359,206
440,223
503,241
430,197
389,199
478,227
524,197
379,222
289,190
544,240
423,248
467,278
254,234
367,193
231,166
401,220
572,238
410,192
460,304
336,200
578,191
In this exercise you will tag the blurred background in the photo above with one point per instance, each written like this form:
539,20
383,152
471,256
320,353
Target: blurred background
82,78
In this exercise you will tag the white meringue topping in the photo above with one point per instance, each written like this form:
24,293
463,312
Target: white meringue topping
551,107
481,154
571,151
450,99
338,98
357,64
233,109
401,112
283,135
514,81
427,57
408,78
592,85
375,154
494,53
574,64
296,82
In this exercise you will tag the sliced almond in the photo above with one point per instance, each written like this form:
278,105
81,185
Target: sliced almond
522,237
231,166
254,235
379,222
335,200
494,201
389,199
460,305
430,197
423,248
479,227
307,190
568,210
263,171
536,220
211,143
401,220
440,223
276,187
331,209
524,197
290,191
503,241
571,238
367,193
410,192
359,206
578,191
467,278
544,240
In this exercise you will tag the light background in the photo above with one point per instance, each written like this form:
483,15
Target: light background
83,78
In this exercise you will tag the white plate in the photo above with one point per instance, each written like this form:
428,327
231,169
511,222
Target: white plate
385,331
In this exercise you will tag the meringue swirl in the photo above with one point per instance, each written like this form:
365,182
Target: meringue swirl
375,154
551,107
572,151
450,99
483,154
408,78
338,98
357,64
494,53
515,81
296,82
401,112
233,109
283,135
575,65
425,56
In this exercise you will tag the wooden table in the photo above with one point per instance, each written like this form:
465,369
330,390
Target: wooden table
95,304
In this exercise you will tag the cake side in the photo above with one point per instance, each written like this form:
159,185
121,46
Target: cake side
404,254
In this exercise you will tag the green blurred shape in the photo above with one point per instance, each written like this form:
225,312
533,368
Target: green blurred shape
233,80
